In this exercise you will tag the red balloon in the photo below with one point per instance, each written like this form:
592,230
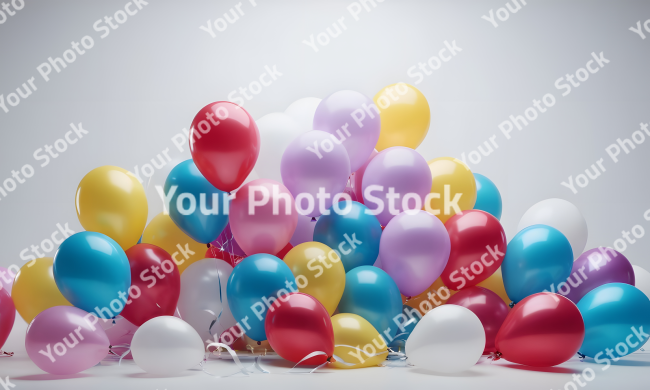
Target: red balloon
488,307
7,315
299,326
156,275
478,246
225,143
542,330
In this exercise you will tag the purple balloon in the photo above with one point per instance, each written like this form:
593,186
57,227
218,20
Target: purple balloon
594,268
353,119
314,161
304,231
400,168
414,250
226,242
61,341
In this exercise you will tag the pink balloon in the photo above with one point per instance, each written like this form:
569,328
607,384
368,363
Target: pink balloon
61,341
262,230
121,333
6,279
357,177
7,315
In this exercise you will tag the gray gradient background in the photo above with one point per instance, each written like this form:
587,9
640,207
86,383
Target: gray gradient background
143,83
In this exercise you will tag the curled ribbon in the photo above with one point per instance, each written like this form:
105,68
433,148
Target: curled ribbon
6,354
128,349
232,353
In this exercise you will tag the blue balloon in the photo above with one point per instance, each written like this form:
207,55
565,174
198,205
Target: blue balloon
353,234
253,287
617,317
538,258
488,197
200,214
372,294
407,322
93,273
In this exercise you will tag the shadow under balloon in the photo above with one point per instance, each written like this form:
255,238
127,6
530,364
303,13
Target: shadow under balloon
463,374
151,376
49,377
552,370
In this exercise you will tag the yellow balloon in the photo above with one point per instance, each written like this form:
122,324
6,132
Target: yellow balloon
319,272
453,183
405,116
164,233
437,294
351,330
495,284
34,289
111,201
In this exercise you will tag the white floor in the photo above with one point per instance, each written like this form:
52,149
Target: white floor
632,372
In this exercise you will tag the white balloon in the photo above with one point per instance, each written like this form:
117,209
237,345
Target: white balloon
302,111
166,346
200,292
447,339
277,130
561,215
155,201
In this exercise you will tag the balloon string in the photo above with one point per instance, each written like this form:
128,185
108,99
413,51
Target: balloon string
128,349
232,353
179,313
6,354
217,317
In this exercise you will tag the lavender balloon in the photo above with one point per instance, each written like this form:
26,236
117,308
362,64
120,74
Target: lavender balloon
414,250
352,118
313,161
402,169
304,231
594,268
226,242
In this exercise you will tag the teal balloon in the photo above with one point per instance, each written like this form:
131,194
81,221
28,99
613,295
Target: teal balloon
617,318
407,322
91,270
354,234
488,197
200,213
538,258
372,294
253,286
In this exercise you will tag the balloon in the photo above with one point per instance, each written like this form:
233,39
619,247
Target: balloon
538,258
494,283
196,206
7,316
111,201
478,246
298,326
562,215
224,148
488,197
615,316
642,280
304,230
203,288
277,130
6,279
594,268
352,232
320,272
254,285
166,346
372,294
543,330
302,111
488,307
348,116
226,242
93,273
405,323
448,339
405,116
313,162
64,340
414,250
263,225
453,186
163,232
121,333
157,277
351,332
35,290
404,171
437,294
356,178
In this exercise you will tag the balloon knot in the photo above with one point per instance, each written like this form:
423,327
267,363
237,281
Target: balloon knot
495,356
331,359
581,356
208,245
512,304
259,343
313,219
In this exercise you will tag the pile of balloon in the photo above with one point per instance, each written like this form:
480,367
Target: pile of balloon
350,250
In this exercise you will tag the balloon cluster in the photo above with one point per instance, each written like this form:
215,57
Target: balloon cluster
349,249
